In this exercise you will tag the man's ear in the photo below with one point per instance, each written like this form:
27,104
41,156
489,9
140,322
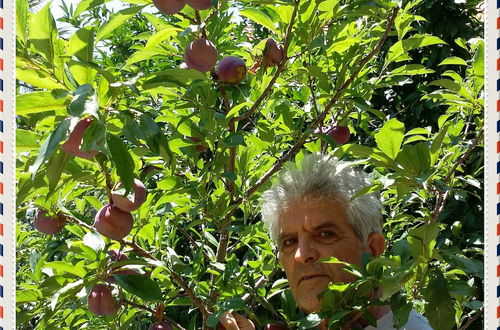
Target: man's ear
376,244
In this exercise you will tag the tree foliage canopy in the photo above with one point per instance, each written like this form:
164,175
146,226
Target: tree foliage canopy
406,78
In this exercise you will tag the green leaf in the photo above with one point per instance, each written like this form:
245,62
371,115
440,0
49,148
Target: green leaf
436,144
376,155
94,241
235,110
145,54
83,5
446,83
84,101
122,159
259,17
26,140
235,139
43,33
116,20
401,47
141,286
55,168
415,159
390,137
81,45
38,78
401,310
50,144
38,102
22,7
439,309
23,296
453,60
62,266
410,70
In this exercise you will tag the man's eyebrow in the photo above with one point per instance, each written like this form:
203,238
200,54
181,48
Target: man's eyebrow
327,224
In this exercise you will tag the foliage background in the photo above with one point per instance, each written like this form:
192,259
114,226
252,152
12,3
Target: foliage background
412,99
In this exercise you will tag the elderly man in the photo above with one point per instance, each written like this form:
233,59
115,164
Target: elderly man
310,215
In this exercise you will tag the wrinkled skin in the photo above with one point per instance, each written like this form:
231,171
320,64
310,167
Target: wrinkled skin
200,55
72,145
199,4
101,302
113,223
310,229
231,70
124,203
169,7
48,224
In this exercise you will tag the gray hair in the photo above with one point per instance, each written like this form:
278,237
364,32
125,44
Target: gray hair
323,176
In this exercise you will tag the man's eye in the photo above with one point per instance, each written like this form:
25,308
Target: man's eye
326,234
288,243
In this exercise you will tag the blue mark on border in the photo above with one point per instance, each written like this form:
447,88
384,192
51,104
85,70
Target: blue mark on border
1,85
498,208
498,250
498,167
498,124
1,6
1,126
1,43
1,167
1,208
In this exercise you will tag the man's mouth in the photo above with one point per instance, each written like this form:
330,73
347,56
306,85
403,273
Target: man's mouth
311,276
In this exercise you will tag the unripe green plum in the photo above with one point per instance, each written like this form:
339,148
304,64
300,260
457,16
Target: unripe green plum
72,145
113,223
231,70
199,4
101,302
124,203
201,55
48,224
169,7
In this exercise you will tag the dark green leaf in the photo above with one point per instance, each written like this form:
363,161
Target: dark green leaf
122,159
141,286
439,309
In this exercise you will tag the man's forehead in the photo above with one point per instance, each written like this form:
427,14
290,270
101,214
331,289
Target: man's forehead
325,223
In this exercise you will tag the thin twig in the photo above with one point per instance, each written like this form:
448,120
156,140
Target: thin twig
133,304
472,319
280,69
464,156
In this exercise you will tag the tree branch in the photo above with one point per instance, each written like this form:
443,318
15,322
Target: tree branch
280,69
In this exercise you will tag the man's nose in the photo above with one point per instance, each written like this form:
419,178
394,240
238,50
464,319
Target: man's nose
306,252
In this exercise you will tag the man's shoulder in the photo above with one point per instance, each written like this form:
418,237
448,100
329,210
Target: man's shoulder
416,321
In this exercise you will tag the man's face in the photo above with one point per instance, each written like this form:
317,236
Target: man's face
309,230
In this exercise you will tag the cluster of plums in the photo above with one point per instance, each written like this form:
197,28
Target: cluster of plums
115,219
201,54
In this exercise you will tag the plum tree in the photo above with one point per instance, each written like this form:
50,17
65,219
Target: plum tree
201,55
231,70
160,325
124,203
101,301
48,224
113,223
273,53
199,4
72,145
169,7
